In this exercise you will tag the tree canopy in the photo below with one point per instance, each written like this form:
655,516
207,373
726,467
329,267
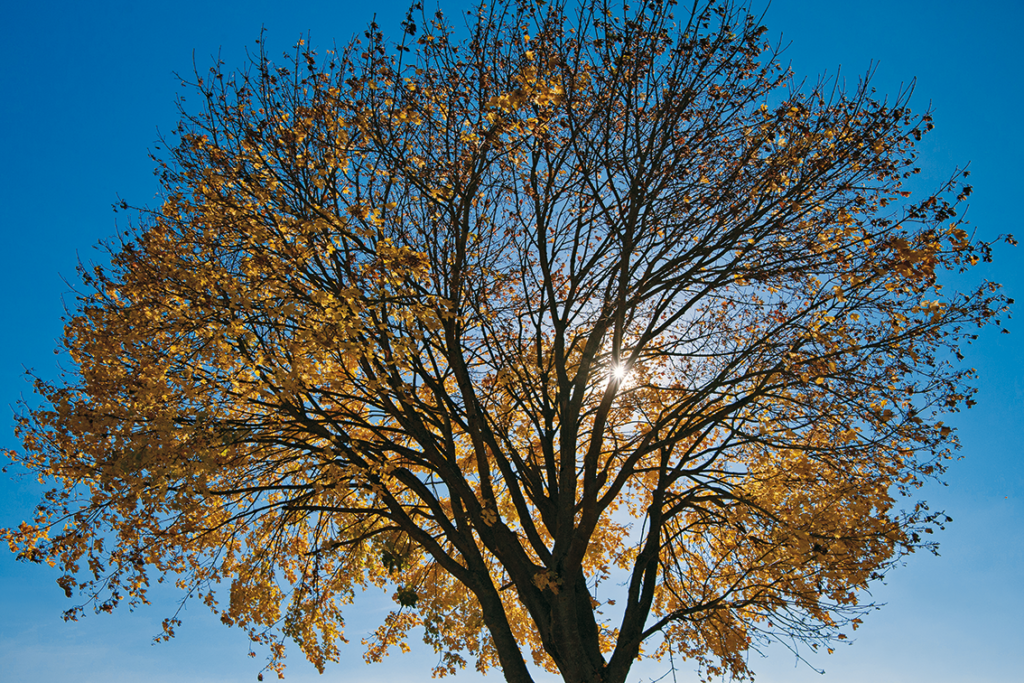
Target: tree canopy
586,331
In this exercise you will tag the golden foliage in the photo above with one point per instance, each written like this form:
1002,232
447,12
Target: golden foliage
493,324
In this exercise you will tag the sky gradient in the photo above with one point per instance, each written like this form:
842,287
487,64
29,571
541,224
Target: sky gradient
87,88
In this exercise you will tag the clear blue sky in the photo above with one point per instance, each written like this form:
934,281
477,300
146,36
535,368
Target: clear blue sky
87,86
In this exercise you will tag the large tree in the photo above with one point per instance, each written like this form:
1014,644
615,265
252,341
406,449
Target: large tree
589,335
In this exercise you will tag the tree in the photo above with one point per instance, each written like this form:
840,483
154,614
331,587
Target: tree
577,300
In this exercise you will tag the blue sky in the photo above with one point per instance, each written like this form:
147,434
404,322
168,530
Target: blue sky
87,87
